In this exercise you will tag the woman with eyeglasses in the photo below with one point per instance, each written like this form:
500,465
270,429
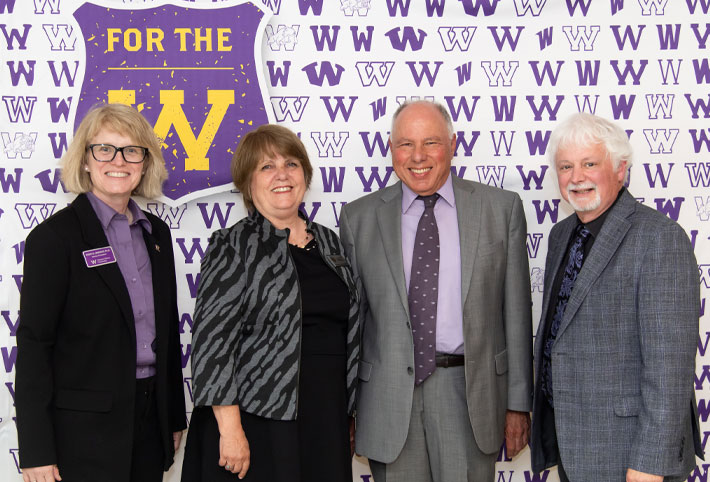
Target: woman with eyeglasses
98,377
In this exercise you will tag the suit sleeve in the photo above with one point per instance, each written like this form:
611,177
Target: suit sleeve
44,290
517,313
217,324
668,304
348,240
175,380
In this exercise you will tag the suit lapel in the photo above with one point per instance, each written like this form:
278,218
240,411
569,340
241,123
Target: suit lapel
468,213
556,250
389,219
94,236
605,246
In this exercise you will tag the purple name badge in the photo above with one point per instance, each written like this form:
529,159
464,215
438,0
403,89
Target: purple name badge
99,257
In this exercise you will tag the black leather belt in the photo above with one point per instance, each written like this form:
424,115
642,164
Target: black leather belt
446,361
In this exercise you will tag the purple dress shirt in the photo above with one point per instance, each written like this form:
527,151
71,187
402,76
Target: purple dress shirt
449,312
134,263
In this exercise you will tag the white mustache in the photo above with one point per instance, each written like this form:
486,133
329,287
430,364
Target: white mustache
581,186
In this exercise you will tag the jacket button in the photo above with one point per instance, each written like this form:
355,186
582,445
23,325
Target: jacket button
410,370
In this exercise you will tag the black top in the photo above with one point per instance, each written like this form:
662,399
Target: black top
325,302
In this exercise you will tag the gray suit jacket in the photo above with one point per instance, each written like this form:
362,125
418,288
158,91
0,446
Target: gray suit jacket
497,328
624,358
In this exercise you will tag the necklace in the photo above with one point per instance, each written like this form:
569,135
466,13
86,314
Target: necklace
306,239
311,245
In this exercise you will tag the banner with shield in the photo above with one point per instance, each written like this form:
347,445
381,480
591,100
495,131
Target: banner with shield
194,72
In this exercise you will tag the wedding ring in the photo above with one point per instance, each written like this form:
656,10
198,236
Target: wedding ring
228,467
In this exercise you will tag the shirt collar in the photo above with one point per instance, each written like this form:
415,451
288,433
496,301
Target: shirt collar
446,192
106,213
263,222
595,226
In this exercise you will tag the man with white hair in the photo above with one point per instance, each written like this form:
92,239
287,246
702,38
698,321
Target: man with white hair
445,372
615,347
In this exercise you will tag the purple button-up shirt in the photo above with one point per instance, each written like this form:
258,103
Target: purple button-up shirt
449,312
134,263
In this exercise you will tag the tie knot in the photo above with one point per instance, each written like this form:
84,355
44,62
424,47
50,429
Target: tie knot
582,232
429,201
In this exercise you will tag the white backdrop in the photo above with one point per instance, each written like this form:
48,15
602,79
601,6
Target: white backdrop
334,71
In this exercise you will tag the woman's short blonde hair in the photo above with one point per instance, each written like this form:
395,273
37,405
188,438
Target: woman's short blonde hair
266,140
126,121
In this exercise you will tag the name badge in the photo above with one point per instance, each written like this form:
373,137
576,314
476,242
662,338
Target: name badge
99,257
338,260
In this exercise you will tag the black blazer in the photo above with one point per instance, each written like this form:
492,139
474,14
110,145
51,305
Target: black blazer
76,357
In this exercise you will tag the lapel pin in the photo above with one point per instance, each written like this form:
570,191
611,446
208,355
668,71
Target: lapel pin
157,248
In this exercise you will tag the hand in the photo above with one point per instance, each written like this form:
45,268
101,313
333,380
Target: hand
636,476
352,437
517,432
45,473
234,452
177,437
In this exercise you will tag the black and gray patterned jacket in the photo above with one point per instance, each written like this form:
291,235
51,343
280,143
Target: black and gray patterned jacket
246,341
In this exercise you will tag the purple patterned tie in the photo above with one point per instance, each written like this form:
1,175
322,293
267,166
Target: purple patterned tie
423,284
575,259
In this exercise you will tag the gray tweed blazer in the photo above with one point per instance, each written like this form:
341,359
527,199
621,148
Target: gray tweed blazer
624,358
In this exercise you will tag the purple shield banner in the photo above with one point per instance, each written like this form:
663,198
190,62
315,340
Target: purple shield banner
194,72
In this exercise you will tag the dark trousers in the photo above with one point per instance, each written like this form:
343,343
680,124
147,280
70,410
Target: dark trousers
148,456
549,440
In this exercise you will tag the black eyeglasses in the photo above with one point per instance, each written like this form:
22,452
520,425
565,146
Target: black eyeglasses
107,153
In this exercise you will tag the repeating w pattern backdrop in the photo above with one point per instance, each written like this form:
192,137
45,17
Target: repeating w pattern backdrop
205,72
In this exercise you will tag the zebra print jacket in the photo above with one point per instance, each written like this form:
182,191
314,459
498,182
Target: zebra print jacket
247,324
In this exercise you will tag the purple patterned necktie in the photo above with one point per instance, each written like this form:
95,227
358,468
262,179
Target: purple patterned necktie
575,259
423,285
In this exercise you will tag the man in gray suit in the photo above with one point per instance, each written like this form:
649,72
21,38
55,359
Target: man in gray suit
447,332
615,349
